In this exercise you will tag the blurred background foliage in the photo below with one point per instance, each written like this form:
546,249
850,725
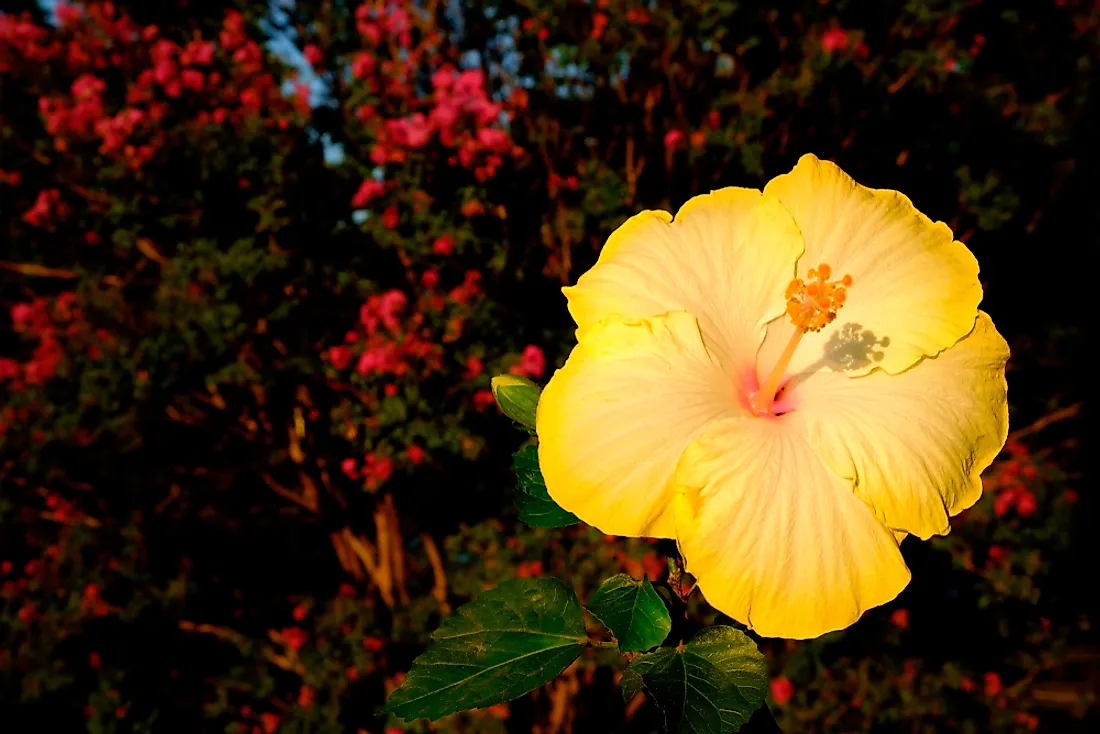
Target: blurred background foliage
260,259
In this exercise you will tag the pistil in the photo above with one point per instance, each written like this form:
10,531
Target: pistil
811,307
761,400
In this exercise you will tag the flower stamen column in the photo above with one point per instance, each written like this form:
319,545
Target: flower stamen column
811,307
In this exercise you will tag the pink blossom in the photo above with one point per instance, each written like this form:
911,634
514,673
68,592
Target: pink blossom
44,362
493,139
393,302
483,399
191,79
1026,504
377,469
444,115
369,189
164,72
470,83
782,690
67,14
368,316
443,77
370,31
200,53
444,245
21,313
1004,502
992,684
350,468
412,131
87,86
363,65
313,54
340,357
900,618
834,39
470,287
377,359
9,369
46,204
483,110
531,364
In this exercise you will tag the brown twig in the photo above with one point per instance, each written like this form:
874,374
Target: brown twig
902,80
397,553
345,556
35,270
1058,415
378,572
307,500
172,496
222,633
64,519
439,587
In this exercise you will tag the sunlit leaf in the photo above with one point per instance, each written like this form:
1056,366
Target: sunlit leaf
711,685
506,642
633,612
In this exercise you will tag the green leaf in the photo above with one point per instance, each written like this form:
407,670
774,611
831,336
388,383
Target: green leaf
633,612
506,642
631,683
536,508
711,685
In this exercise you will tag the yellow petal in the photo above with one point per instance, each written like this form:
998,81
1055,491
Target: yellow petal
775,539
912,284
726,259
614,420
915,443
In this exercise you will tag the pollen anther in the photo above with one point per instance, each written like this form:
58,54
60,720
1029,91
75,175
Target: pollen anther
813,305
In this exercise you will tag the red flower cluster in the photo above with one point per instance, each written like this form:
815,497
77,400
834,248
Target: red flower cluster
389,342
529,569
97,39
294,637
38,320
838,39
389,21
459,114
91,602
47,206
470,288
370,189
1010,480
82,115
532,364
375,470
22,40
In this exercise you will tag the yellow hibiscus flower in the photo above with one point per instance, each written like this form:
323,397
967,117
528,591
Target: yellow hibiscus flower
787,382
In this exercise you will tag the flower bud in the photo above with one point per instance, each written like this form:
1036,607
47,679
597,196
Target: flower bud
517,397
